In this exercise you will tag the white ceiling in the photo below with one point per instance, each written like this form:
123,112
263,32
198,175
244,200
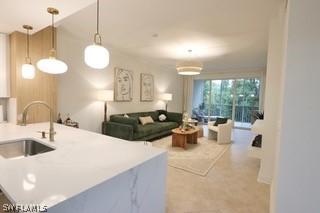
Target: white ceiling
224,34
15,13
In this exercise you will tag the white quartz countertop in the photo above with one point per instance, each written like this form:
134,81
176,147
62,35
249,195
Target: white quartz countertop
80,161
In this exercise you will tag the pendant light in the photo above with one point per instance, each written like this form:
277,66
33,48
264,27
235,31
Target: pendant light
189,67
27,69
95,55
52,65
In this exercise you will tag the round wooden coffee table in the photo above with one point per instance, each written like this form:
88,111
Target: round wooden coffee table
180,137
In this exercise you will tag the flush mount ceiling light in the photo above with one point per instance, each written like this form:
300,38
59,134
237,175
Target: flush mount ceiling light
52,65
27,69
189,67
95,55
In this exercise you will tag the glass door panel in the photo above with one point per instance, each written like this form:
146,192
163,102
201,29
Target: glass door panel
232,98
247,101
215,98
226,98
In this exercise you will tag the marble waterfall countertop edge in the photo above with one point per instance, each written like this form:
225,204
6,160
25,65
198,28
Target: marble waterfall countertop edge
80,161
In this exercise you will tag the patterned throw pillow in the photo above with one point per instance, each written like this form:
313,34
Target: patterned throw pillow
162,117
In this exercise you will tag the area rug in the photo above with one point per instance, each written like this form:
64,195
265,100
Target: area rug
197,158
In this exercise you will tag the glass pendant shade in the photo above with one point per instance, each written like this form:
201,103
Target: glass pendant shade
96,56
52,65
28,71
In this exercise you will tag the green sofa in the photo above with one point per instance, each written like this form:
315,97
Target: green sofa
131,129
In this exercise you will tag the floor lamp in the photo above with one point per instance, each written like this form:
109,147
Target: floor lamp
106,96
166,97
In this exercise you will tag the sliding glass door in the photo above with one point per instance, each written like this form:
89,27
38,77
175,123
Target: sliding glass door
221,101
236,99
247,95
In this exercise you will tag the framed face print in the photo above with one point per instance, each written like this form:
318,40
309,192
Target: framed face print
146,87
123,85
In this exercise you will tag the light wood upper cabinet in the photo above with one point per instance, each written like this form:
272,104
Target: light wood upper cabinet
4,66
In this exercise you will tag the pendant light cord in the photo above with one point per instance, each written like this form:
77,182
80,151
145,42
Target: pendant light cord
97,37
52,31
28,38
98,16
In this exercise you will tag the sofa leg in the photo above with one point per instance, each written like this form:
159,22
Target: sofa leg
212,135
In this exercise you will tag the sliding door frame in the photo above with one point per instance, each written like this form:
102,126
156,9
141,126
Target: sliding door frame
234,91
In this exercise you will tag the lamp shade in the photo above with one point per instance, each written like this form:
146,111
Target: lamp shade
189,67
165,97
28,71
96,56
52,66
105,95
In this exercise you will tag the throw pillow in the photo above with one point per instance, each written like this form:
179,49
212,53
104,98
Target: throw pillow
146,120
220,121
126,116
162,117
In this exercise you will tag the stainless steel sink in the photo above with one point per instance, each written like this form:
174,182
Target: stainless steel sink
22,148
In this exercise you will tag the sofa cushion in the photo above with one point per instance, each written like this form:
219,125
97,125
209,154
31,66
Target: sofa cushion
213,128
175,117
154,128
161,111
121,119
153,114
144,130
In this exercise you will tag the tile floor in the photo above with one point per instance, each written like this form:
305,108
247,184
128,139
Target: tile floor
230,187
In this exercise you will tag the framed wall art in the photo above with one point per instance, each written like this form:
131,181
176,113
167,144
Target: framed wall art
123,85
146,87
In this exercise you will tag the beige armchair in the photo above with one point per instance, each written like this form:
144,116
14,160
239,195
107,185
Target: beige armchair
221,133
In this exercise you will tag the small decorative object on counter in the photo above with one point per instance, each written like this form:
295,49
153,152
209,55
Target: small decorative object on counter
68,119
69,122
59,120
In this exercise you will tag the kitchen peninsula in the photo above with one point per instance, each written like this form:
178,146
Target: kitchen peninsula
86,172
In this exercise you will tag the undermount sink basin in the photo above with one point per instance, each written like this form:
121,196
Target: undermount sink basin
22,148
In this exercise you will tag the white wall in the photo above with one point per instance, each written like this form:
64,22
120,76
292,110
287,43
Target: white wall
78,87
298,172
273,93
